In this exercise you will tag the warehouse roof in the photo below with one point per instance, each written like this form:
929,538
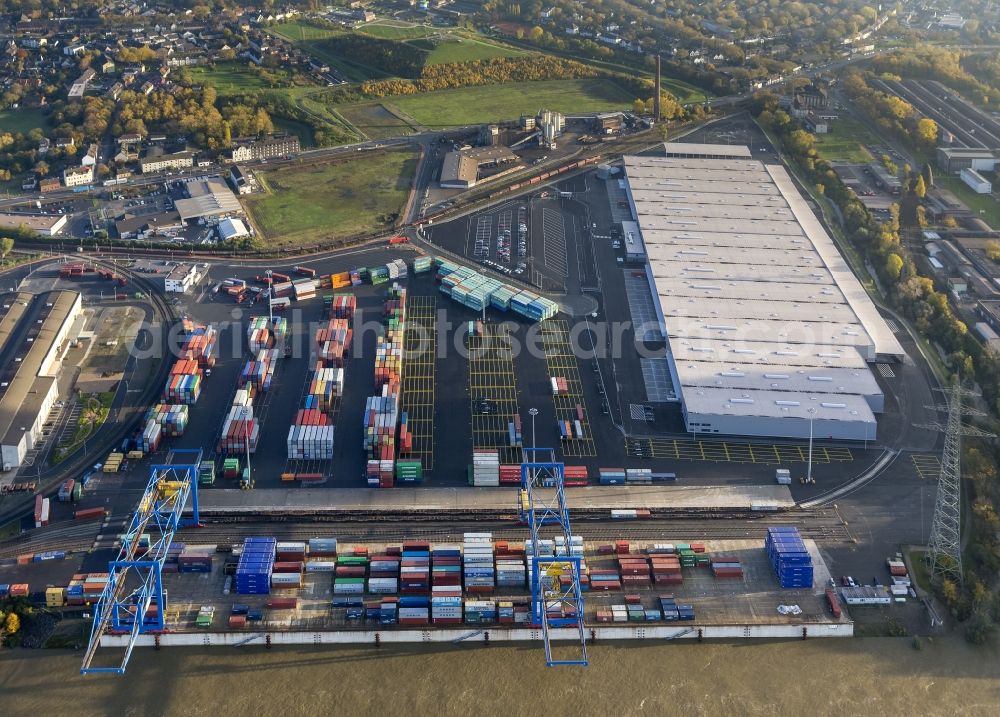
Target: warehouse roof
207,198
21,399
44,223
11,311
781,378
768,353
693,149
745,274
779,404
230,228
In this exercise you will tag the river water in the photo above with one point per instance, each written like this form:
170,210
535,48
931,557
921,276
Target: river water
845,677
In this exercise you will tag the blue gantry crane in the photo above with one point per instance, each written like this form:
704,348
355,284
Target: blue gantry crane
556,595
135,577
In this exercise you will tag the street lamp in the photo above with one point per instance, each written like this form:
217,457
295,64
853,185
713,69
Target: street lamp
532,412
809,470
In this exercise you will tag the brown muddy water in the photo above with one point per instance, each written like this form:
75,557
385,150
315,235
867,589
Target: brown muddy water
881,677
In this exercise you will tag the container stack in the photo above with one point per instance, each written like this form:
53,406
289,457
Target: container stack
422,264
184,383
415,568
639,476
396,269
343,306
666,564
259,369
789,557
414,610
575,475
515,437
195,559
149,440
480,612
409,472
340,280
383,574
287,574
199,344
333,342
304,289
253,572
378,275
240,431
322,548
349,578
172,417
510,474
477,291
446,570
511,568
310,437
611,476
485,468
381,418
479,573
725,566
634,571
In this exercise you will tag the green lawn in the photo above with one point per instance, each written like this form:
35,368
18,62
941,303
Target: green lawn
375,120
845,141
307,204
491,103
297,30
388,30
22,120
235,78
457,48
984,206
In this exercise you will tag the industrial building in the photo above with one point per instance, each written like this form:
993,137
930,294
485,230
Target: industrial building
695,150
44,224
138,227
208,199
975,181
33,334
768,329
461,169
180,278
265,148
155,159
954,159
232,229
886,181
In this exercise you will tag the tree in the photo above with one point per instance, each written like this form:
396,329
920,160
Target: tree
927,132
992,250
920,187
12,624
638,106
6,246
893,266
41,169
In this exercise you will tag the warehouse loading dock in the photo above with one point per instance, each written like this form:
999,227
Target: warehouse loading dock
769,330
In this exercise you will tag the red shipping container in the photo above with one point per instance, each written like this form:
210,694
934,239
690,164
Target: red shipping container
237,621
282,603
287,567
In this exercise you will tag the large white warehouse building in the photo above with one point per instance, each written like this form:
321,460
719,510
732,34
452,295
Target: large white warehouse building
768,329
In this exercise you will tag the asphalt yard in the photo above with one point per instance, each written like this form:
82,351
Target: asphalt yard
928,466
570,405
686,449
419,352
493,390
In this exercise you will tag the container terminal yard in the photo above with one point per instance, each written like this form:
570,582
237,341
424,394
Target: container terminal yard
431,441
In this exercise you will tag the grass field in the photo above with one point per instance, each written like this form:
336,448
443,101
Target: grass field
985,206
387,30
845,141
477,105
295,31
462,49
375,120
303,131
307,204
234,78
22,120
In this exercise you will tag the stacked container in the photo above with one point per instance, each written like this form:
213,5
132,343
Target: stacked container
184,383
253,572
514,432
396,269
415,568
480,612
510,474
446,609
421,265
789,557
726,567
478,571
199,343
477,291
195,559
304,289
333,341
172,417
639,476
240,432
612,476
381,417
575,475
149,440
340,280
485,468
343,306
259,369
446,570
409,472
